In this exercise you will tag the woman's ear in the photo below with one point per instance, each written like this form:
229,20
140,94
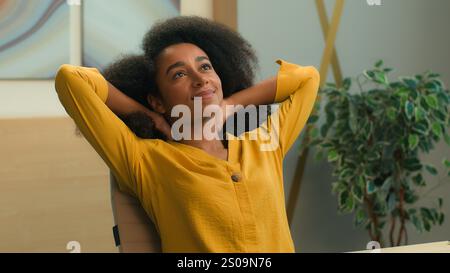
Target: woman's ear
156,104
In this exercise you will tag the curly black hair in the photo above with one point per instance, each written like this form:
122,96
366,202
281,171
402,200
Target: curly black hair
232,57
130,74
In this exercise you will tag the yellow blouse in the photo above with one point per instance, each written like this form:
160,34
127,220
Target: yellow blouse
198,203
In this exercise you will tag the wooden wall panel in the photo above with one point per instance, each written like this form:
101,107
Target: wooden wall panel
225,12
54,188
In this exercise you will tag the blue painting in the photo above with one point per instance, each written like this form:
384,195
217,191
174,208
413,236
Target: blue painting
34,38
115,27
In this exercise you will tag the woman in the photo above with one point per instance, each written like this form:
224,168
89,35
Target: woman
203,195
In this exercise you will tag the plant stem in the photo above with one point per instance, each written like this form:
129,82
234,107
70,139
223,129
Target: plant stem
374,219
391,232
402,216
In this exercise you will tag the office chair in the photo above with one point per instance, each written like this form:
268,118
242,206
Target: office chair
133,231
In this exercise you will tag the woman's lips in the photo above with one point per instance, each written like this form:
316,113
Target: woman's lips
205,94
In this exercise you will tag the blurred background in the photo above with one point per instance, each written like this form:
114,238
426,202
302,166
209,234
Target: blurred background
54,188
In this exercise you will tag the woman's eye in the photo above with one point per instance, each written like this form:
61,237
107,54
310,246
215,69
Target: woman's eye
206,66
178,75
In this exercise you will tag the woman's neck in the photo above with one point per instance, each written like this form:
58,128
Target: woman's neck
212,143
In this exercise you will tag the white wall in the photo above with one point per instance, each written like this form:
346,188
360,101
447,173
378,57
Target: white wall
24,99
410,35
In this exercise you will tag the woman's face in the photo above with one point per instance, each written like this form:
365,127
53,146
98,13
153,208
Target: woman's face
184,71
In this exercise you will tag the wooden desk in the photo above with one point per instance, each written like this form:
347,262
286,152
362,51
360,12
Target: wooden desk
437,247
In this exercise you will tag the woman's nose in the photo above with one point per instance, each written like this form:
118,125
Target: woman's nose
200,80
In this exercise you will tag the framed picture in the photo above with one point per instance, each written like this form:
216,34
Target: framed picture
34,38
35,35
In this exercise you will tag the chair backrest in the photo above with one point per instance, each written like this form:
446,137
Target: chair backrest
134,231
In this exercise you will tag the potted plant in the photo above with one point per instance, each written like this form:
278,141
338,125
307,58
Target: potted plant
373,138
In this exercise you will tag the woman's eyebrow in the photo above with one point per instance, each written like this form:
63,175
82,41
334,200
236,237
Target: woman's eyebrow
178,64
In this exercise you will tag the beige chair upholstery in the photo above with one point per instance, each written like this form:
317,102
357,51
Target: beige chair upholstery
136,231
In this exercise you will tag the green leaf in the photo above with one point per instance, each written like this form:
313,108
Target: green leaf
441,219
432,86
414,94
426,214
342,199
434,75
413,140
387,184
370,187
419,113
410,197
418,180
346,83
336,187
431,169
436,129
357,193
345,174
412,164
326,144
314,133
313,118
379,63
332,155
444,97
391,113
360,217
440,116
361,182
402,92
350,204
435,215
410,82
440,201
432,101
418,224
421,129
446,162
409,109
426,225
380,77
369,74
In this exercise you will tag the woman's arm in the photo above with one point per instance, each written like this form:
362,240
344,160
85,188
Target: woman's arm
83,92
122,105
266,91
259,94
295,87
